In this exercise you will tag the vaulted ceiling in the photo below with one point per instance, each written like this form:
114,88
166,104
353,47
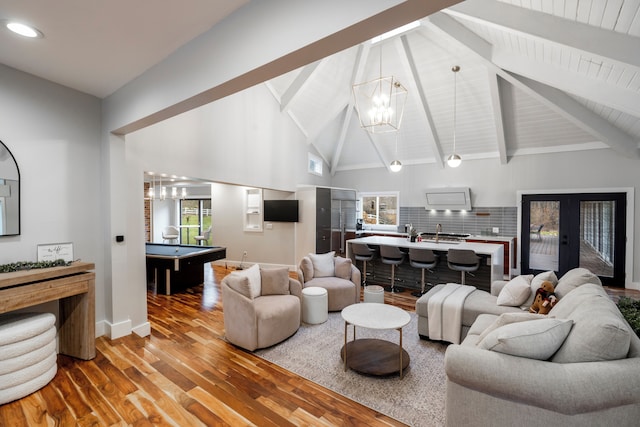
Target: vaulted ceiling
537,76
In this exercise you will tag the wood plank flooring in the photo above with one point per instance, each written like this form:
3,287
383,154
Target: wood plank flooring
186,374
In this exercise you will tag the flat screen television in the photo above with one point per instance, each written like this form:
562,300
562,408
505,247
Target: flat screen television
281,210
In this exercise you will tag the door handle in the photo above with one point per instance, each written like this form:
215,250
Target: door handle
565,240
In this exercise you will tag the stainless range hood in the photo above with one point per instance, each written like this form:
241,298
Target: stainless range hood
452,198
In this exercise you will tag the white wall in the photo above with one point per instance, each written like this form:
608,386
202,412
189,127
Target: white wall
53,133
493,184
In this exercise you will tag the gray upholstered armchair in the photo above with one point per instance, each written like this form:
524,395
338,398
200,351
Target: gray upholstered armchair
261,307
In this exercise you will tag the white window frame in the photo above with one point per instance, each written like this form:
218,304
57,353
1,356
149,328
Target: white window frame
377,194
314,165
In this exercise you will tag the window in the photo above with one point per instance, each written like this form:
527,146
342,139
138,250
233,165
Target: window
380,209
315,165
195,218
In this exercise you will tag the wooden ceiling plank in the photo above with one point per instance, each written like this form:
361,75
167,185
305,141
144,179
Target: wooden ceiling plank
560,102
577,35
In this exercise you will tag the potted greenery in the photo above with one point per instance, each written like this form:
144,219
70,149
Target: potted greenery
413,233
630,309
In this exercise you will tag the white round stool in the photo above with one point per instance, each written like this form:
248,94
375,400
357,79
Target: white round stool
374,293
315,305
28,357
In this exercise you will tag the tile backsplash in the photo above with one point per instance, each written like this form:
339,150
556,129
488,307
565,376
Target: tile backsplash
479,221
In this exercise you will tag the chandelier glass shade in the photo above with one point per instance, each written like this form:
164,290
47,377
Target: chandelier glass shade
380,104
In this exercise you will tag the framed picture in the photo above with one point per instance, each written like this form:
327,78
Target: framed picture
55,251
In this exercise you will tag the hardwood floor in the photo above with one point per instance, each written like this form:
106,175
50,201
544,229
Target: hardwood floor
186,374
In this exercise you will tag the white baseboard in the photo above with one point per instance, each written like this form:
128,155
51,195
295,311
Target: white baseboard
118,330
143,330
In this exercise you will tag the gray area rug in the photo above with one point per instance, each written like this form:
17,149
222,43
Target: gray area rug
417,399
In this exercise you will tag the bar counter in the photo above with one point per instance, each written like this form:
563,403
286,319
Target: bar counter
491,265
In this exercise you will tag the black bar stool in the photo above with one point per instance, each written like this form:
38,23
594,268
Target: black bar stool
392,255
363,252
424,259
464,260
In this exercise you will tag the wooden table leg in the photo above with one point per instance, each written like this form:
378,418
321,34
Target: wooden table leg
345,345
401,373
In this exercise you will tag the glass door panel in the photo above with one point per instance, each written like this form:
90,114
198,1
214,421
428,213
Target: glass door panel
189,221
597,237
575,230
544,225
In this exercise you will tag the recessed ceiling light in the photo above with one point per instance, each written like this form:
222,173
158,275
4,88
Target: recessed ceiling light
22,29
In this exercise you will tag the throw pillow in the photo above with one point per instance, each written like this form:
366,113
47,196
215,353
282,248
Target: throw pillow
275,281
343,267
600,332
508,318
323,264
247,282
546,276
573,279
533,339
307,269
516,291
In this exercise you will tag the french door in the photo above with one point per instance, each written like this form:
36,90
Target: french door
564,231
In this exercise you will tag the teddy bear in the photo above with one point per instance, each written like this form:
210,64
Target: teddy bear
545,299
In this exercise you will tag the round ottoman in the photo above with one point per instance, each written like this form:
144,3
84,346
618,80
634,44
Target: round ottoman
374,293
315,305
28,359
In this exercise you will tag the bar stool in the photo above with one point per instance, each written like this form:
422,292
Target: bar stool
392,255
363,252
424,259
464,260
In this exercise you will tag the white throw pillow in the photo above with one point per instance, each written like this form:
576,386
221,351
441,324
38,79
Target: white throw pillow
323,264
508,318
247,282
516,291
533,339
536,282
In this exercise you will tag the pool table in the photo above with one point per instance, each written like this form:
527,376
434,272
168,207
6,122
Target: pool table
174,268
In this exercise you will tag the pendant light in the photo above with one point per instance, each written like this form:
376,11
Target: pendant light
454,160
395,165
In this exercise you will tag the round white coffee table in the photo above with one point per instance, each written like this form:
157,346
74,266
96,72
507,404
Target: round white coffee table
374,356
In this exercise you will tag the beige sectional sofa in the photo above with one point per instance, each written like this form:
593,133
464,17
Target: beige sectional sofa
577,366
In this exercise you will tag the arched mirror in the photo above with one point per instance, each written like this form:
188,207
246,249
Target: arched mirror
9,193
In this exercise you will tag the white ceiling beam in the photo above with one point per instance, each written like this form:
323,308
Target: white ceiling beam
297,85
593,41
415,84
356,76
553,98
497,104
544,26
581,116
595,90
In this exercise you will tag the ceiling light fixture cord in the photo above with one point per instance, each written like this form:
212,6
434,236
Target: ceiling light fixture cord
454,160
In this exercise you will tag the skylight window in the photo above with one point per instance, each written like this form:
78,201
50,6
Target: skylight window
397,31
